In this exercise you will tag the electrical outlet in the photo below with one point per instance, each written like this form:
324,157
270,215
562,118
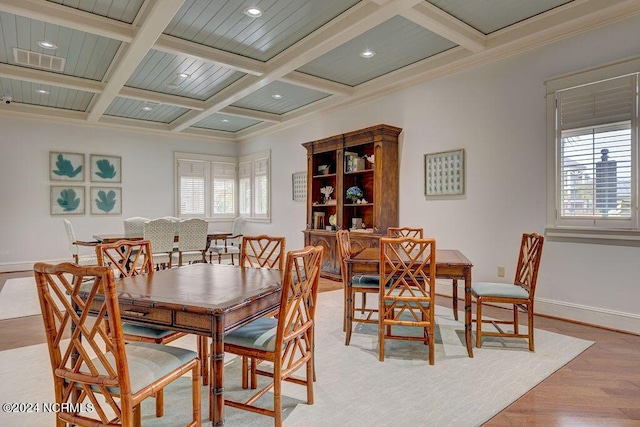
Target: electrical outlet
500,271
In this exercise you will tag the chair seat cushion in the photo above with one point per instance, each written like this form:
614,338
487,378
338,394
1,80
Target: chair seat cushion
259,334
364,281
223,250
499,290
143,331
149,362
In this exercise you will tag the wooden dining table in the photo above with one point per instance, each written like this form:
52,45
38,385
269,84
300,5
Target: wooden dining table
209,300
114,237
450,264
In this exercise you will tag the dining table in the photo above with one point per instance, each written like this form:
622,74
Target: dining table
114,237
209,300
450,264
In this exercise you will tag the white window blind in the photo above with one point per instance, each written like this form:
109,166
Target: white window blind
223,189
254,185
596,134
191,174
261,189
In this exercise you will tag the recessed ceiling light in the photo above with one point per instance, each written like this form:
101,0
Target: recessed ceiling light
172,85
367,54
225,120
47,44
184,75
276,96
147,108
42,92
253,12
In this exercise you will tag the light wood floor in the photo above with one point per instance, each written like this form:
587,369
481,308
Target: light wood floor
601,387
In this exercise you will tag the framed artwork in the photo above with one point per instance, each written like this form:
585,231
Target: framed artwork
106,200
444,174
105,168
67,200
66,166
299,186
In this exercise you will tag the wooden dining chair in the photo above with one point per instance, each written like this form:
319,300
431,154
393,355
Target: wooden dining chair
129,258
408,267
519,294
192,241
286,340
95,360
161,233
360,284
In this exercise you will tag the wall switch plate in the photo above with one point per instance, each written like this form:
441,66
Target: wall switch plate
500,271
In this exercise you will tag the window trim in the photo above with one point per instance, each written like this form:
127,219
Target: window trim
252,159
586,234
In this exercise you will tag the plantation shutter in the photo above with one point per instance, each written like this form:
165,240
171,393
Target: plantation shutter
191,174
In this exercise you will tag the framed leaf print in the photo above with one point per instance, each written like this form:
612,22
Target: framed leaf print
67,200
106,200
105,168
66,166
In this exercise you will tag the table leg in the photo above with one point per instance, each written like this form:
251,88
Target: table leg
467,311
455,299
216,400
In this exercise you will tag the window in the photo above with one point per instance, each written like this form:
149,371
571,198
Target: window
206,186
593,133
254,186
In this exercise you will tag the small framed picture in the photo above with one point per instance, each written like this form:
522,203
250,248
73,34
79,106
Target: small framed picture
66,166
106,200
299,186
444,174
67,200
106,168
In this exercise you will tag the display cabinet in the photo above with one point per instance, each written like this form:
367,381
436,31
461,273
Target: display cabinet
352,183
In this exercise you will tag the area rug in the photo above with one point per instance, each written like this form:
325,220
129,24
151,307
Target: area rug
353,388
19,298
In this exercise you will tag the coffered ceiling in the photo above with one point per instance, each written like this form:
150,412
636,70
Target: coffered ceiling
206,68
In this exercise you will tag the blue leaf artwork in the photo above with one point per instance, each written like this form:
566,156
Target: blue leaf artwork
68,200
65,168
106,169
106,201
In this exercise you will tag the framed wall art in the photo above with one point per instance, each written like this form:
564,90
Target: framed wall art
299,186
106,200
444,174
67,200
66,166
106,168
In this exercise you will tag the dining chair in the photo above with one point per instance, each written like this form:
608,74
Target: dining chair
74,246
192,241
261,251
161,234
360,284
285,340
128,258
408,267
231,245
134,226
519,294
95,361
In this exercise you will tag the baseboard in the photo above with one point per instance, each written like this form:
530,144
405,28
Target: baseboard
26,266
594,316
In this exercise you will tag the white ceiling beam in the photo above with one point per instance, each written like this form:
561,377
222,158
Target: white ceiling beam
230,60
42,112
48,78
251,114
161,98
160,14
345,27
436,20
316,83
69,17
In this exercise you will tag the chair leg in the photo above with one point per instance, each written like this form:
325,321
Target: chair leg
455,299
515,319
479,323
219,259
530,326
160,403
196,392
137,416
245,372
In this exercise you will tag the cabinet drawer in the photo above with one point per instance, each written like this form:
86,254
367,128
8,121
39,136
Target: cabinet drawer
132,312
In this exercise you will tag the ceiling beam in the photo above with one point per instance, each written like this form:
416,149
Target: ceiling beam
436,20
160,14
357,20
49,78
252,114
161,98
316,83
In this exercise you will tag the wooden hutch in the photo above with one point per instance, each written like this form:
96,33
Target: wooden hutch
343,161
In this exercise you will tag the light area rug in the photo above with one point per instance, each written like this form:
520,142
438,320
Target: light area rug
353,388
19,298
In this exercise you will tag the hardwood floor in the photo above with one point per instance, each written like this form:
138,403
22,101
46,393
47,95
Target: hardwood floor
600,387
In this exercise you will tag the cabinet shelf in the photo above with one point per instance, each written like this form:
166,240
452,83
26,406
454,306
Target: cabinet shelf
355,205
361,172
327,175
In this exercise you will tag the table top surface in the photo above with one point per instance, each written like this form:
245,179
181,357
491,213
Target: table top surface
443,257
114,237
200,288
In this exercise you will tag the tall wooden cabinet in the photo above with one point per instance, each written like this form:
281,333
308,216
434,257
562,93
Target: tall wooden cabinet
342,162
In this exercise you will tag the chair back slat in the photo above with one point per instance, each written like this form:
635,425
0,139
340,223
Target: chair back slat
405,232
529,261
93,359
263,251
127,257
344,252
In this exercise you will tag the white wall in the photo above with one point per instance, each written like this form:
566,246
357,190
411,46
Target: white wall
497,114
29,233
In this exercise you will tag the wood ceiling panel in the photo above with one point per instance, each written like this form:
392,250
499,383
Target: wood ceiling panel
120,10
25,93
132,109
293,97
226,123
